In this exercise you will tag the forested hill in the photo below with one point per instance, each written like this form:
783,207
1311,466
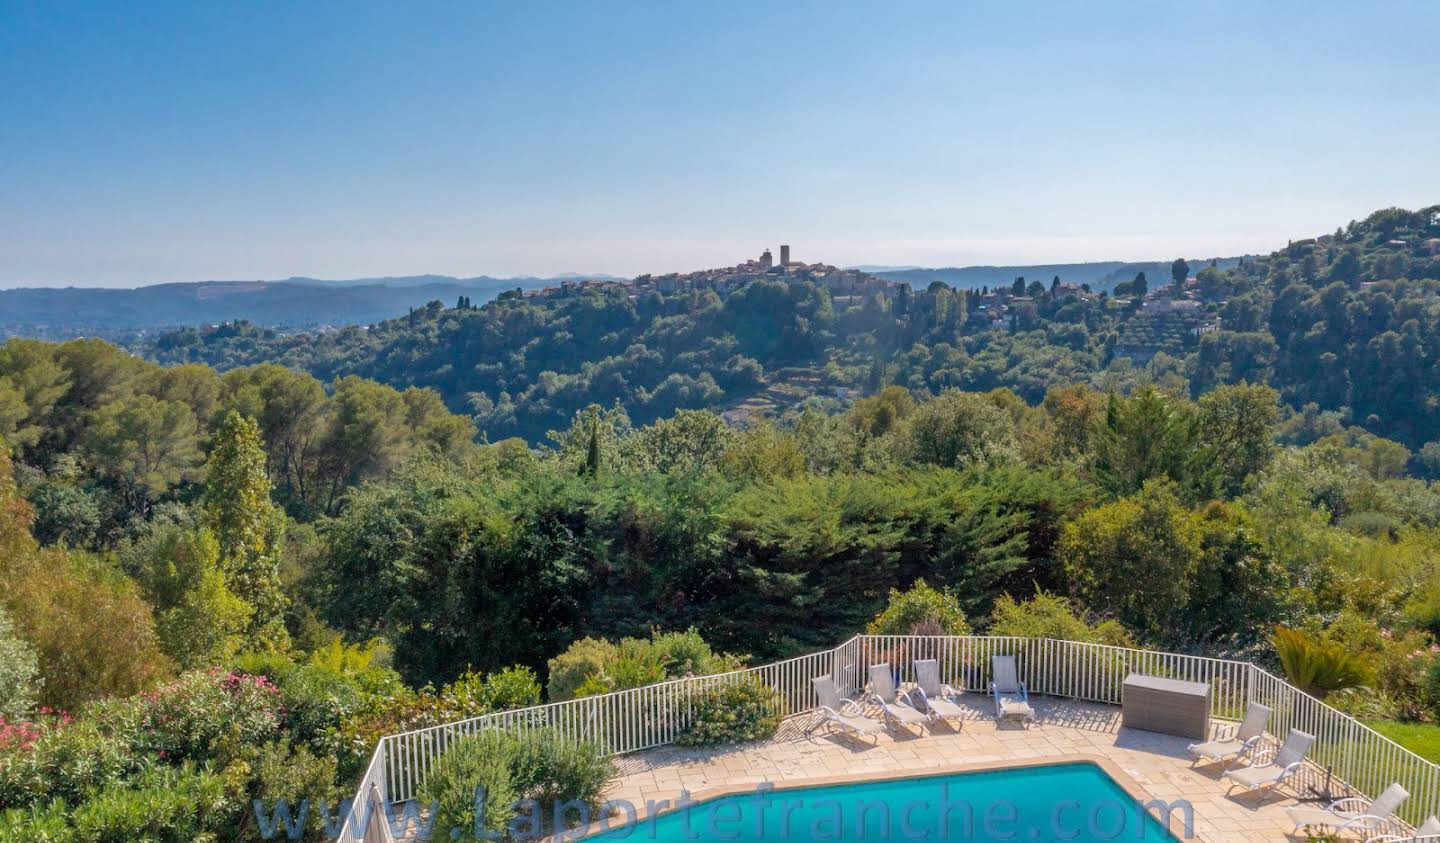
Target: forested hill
1348,322
62,313
1100,275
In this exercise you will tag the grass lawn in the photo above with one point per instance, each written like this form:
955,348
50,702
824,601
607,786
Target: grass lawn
1422,739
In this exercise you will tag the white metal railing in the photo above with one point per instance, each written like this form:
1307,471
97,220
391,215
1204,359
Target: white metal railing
1349,756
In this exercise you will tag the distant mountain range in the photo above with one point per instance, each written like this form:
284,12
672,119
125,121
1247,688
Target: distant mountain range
312,303
1100,275
59,313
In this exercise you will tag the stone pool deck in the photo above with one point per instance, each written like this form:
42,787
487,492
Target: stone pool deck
1158,765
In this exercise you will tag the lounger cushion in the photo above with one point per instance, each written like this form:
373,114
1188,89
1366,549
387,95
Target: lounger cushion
941,707
1256,776
1015,707
856,723
905,714
1217,749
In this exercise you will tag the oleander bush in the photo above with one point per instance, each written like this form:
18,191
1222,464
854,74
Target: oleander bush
165,805
747,710
202,716
47,823
65,764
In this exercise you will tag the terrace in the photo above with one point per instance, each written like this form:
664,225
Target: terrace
1076,691
1148,764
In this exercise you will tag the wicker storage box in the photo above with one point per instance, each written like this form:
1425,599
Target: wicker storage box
1168,706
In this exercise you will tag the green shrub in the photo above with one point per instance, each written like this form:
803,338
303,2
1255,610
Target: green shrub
65,763
747,710
582,660
687,654
403,710
542,765
164,806
592,666
1432,685
637,664
922,607
294,774
48,823
1375,525
552,768
482,760
512,687
1049,616
315,700
161,806
209,716
18,672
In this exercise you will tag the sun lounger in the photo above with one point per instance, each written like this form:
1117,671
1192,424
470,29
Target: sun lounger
896,703
935,697
840,712
1245,739
1012,699
1261,774
1353,813
1428,830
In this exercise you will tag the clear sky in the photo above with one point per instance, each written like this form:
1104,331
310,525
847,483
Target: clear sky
144,142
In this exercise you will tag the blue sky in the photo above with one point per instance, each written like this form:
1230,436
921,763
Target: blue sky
144,142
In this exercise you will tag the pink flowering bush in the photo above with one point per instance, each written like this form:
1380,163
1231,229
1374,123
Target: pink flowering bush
204,716
64,762
19,735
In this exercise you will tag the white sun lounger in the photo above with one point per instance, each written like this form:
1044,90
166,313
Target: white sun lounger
840,712
1353,813
1251,730
1259,774
897,706
1428,829
1012,699
937,698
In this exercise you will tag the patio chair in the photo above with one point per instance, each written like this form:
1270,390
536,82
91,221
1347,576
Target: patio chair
1251,731
842,713
1012,698
937,698
1259,774
1353,813
1428,829
899,711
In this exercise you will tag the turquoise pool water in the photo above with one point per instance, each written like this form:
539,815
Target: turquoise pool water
1074,802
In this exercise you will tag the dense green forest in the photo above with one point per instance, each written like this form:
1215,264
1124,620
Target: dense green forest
1346,322
178,607
226,587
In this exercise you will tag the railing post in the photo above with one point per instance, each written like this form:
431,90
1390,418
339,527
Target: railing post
382,759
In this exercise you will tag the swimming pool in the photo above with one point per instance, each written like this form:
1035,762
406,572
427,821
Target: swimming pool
1076,802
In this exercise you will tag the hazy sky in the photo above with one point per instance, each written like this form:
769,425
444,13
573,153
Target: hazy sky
144,142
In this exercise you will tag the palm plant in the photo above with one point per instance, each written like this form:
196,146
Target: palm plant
1319,667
